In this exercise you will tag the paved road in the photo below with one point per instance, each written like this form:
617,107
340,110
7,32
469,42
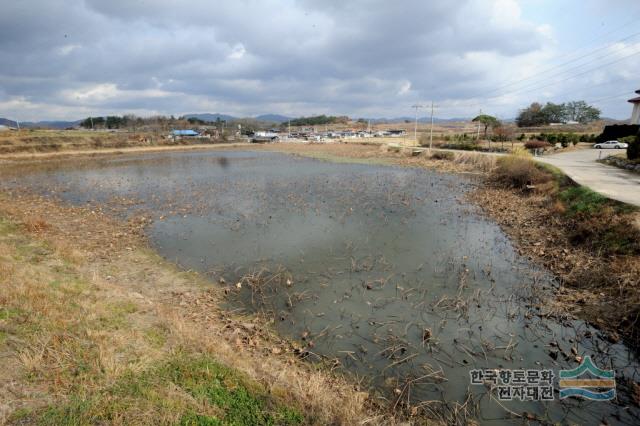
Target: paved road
611,181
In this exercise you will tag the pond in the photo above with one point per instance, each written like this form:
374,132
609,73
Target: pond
383,272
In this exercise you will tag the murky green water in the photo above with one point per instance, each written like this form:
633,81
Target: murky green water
384,272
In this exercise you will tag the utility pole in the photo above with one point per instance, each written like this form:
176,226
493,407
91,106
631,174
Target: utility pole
431,132
289,136
478,135
415,130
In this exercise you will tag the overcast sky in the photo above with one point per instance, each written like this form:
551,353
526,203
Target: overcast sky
67,59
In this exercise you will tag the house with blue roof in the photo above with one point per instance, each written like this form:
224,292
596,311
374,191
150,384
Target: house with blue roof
184,133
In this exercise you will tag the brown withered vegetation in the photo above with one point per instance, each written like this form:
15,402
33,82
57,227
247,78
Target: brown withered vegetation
591,243
95,328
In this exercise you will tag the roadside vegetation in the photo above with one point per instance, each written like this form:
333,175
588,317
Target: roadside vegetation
590,242
633,152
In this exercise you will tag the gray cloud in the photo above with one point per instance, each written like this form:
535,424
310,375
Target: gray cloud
74,57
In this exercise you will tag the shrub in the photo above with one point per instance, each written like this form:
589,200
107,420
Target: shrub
536,144
587,138
563,139
574,139
443,155
633,152
519,170
464,146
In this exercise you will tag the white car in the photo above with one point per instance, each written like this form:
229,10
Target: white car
611,145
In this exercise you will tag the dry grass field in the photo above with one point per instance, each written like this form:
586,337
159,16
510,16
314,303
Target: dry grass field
95,328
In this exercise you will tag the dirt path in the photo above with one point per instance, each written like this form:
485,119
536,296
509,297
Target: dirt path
582,167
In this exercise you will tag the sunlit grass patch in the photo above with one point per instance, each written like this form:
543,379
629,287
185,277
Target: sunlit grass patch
580,199
190,390
156,336
115,315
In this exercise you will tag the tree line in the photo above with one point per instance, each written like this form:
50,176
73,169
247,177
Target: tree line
130,121
123,122
539,115
318,120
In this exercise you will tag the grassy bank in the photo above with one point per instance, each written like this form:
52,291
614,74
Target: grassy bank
95,328
591,243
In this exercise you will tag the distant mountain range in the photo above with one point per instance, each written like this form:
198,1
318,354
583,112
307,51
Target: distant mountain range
274,118
33,124
412,119
277,118
211,117
6,122
269,118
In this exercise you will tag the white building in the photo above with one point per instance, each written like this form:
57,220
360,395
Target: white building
635,115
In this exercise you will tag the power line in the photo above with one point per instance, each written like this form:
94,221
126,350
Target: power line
570,70
536,88
589,101
566,63
625,94
576,75
588,44
615,30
